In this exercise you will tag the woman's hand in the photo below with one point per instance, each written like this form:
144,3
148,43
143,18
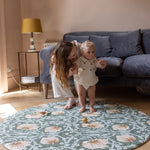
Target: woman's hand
102,64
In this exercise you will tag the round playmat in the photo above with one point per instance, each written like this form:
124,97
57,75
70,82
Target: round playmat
51,127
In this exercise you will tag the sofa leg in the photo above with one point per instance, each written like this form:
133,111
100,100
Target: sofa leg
45,90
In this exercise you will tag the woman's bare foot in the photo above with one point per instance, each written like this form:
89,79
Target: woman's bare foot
82,109
92,110
70,103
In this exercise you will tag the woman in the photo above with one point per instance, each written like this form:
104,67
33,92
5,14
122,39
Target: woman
62,59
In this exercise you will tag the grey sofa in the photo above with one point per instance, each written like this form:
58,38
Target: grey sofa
127,55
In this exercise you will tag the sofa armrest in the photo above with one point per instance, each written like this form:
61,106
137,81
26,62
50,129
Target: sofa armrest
45,57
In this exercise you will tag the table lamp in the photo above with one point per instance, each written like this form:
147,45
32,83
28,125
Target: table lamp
31,25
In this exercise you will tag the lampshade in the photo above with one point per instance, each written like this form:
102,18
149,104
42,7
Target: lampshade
31,25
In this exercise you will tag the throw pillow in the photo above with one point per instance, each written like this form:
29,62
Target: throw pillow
102,45
146,42
126,44
74,37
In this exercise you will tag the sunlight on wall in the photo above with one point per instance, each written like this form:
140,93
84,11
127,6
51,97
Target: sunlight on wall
6,110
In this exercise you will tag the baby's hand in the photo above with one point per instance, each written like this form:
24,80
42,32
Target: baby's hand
102,64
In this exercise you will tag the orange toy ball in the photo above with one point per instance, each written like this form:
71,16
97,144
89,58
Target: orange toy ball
84,120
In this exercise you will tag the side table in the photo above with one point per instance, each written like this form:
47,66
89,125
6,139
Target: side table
26,79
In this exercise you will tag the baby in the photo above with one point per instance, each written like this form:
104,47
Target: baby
86,79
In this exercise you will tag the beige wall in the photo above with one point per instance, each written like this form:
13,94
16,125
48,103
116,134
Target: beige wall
110,15
61,16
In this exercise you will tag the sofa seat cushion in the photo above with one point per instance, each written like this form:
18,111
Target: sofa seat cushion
137,66
113,68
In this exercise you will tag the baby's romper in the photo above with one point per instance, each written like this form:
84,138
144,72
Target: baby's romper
86,72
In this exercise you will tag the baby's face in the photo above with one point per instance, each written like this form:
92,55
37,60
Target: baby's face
89,53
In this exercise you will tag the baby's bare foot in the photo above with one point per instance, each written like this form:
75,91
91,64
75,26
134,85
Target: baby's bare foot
92,110
78,104
82,109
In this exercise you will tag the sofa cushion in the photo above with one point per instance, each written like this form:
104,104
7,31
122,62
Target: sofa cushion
113,68
102,45
146,42
74,37
137,66
126,44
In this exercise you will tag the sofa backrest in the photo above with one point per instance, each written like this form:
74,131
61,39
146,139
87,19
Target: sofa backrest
110,43
146,40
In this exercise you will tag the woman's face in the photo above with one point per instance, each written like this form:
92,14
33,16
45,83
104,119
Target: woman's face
73,54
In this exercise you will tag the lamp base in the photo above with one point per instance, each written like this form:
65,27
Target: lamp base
32,47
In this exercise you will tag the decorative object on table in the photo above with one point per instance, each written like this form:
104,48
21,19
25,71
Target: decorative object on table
31,25
30,79
113,127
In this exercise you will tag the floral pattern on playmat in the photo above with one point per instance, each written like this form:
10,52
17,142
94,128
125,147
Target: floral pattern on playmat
51,127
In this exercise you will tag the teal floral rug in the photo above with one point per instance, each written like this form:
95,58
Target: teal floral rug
51,127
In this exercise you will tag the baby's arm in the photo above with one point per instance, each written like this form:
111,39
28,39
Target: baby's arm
102,63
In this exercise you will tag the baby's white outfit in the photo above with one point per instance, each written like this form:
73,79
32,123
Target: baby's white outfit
86,72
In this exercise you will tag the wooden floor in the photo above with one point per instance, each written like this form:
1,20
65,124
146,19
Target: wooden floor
17,100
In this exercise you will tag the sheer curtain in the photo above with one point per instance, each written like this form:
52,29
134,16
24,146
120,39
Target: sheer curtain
3,57
3,71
